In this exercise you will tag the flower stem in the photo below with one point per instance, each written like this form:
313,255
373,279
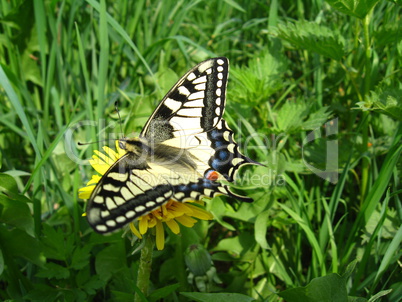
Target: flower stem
367,79
144,269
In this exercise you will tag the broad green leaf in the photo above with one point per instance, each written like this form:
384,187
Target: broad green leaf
314,37
354,8
8,183
260,228
218,297
240,247
17,243
16,213
328,288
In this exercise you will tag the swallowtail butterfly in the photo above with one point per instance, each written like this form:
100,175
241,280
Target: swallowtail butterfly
183,151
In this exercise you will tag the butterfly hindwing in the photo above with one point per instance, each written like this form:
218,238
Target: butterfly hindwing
195,104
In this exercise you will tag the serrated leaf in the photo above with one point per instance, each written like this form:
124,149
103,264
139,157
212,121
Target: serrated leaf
53,270
42,292
80,257
53,243
110,260
317,119
328,288
314,37
387,101
262,77
354,8
220,297
93,284
290,117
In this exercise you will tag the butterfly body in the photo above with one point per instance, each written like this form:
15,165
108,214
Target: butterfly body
183,152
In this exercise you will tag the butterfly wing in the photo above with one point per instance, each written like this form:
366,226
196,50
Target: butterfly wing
191,146
128,190
194,105
217,157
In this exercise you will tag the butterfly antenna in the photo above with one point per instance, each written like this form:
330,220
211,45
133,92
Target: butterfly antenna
118,113
95,142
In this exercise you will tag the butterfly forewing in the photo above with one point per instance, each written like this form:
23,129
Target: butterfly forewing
195,104
126,191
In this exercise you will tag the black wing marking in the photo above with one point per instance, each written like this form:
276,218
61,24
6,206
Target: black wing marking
125,192
195,104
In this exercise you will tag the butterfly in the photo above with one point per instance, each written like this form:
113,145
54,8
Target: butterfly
182,153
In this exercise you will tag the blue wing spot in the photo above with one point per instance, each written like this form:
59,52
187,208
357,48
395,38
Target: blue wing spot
218,144
216,164
194,187
182,188
209,184
223,155
214,134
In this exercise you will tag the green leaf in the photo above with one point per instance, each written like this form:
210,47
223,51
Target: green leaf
17,214
235,5
1,263
354,8
221,297
54,245
387,101
19,244
80,257
93,284
314,37
239,247
42,292
262,76
163,292
260,228
110,260
328,288
8,183
349,269
317,119
53,270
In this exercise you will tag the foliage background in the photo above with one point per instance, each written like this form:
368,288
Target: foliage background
294,66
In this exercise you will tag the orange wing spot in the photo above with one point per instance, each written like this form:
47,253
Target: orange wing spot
212,175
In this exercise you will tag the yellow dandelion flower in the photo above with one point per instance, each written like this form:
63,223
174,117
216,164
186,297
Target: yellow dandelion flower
172,214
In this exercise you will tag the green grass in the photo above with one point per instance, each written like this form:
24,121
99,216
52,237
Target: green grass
298,70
